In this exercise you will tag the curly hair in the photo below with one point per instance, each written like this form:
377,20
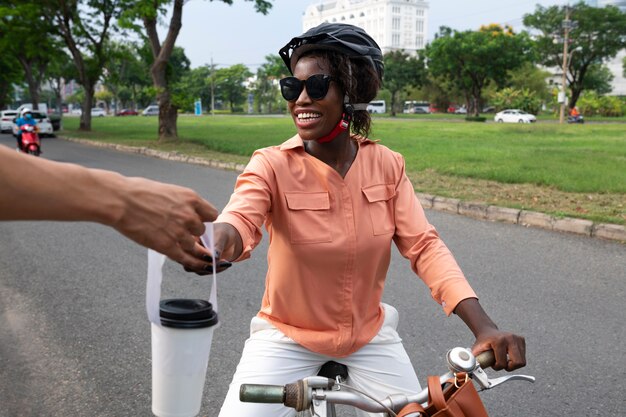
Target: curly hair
356,78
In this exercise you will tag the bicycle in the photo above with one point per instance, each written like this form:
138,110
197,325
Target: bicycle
321,393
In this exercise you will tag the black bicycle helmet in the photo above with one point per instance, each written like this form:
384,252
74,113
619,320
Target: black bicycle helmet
348,39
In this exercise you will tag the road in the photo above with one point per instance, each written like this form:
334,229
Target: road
75,340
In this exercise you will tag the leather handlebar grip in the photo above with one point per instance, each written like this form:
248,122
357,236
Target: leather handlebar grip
259,393
295,396
486,359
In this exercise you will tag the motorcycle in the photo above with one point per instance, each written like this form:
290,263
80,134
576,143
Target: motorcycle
575,119
30,140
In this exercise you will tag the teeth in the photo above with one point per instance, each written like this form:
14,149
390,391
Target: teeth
303,116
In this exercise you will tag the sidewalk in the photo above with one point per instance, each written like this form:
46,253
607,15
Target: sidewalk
475,210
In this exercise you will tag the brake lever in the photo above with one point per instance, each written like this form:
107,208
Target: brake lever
485,383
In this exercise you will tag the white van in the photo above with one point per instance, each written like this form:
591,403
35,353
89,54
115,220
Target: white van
377,106
152,110
43,108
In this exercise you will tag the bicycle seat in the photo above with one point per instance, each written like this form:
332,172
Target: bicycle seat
332,370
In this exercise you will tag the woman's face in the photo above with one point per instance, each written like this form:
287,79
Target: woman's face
315,118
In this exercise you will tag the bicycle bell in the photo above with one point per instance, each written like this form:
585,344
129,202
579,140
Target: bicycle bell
461,360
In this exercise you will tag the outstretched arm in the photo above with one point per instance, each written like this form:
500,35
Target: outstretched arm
160,216
509,349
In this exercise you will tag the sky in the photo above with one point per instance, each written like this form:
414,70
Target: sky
226,35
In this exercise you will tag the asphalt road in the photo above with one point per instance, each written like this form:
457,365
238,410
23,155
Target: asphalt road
75,340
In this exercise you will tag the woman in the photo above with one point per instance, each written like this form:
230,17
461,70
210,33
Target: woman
333,201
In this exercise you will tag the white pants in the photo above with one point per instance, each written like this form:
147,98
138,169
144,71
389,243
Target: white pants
380,368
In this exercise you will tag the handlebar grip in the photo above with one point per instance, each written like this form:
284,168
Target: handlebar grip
259,393
486,359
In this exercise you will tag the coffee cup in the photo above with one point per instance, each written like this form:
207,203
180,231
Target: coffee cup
181,346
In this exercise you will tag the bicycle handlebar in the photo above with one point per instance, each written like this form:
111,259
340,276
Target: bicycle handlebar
299,394
259,393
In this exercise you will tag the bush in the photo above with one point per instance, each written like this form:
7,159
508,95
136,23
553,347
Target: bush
591,104
475,119
510,98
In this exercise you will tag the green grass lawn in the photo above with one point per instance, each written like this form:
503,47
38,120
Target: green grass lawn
572,170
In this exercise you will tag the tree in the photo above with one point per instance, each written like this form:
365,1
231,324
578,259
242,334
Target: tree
195,84
596,36
86,27
266,88
401,72
26,37
60,69
9,75
125,73
530,77
148,12
598,79
472,59
230,86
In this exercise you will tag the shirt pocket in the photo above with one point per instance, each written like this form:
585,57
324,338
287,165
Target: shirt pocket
309,217
380,205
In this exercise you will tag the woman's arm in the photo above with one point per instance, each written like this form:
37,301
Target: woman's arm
509,348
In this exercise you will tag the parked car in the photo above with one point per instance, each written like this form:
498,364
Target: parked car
6,120
152,110
514,116
416,107
43,124
98,112
453,108
127,112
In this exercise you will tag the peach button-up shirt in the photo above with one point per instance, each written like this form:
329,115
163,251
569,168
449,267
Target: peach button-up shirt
330,242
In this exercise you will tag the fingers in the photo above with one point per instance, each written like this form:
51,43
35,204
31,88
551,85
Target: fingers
202,262
517,354
509,350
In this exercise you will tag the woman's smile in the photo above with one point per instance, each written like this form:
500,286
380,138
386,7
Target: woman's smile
307,119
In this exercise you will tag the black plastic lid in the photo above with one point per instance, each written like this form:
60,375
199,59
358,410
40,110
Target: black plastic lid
186,313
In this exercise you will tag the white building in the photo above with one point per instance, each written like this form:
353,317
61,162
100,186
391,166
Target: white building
394,24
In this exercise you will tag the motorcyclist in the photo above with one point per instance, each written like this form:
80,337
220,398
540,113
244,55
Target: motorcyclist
575,116
26,118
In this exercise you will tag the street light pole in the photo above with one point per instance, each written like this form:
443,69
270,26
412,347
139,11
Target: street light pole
212,89
567,25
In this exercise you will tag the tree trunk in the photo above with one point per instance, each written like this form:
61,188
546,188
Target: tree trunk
168,113
32,81
574,98
86,105
168,117
58,82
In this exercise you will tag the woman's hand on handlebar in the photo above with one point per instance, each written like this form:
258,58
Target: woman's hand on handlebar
509,349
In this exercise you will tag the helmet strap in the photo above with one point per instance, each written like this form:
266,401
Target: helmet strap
342,126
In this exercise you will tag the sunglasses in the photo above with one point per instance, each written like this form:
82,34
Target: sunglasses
316,87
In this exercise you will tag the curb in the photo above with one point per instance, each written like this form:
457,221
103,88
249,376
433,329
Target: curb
476,210
525,218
